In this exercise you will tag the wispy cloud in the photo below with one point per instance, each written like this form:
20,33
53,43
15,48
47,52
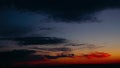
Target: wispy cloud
36,40
53,49
93,55
83,45
66,48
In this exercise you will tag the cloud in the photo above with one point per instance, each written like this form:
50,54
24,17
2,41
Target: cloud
39,62
14,23
36,40
49,58
62,10
12,31
27,57
15,55
82,46
9,58
24,57
10,26
74,44
53,49
67,47
92,46
96,55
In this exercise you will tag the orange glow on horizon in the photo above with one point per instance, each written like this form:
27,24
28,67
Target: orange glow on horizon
94,59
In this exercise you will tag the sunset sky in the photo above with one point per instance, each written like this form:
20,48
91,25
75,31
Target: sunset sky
30,30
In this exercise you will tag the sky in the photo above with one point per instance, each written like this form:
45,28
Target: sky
67,32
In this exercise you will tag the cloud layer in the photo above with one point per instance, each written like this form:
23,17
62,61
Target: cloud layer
66,47
36,40
62,10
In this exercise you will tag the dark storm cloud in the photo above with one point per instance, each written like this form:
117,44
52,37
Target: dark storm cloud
46,58
22,57
11,57
64,10
15,55
36,40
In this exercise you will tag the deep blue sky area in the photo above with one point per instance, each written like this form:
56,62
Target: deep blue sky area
30,24
34,24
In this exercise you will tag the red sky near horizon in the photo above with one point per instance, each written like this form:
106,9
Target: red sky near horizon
105,59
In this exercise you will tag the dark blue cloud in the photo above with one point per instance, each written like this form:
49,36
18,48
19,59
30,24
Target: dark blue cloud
14,23
36,40
63,10
58,10
9,58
